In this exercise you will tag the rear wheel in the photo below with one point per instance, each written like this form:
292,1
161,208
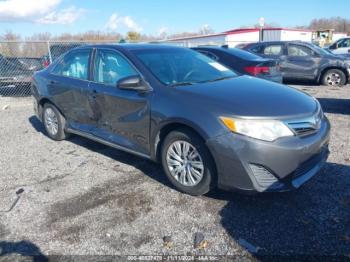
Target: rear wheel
54,122
188,163
334,77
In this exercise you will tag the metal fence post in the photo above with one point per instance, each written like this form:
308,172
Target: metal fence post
49,51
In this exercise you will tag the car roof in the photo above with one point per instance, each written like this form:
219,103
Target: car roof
212,47
130,46
236,52
282,42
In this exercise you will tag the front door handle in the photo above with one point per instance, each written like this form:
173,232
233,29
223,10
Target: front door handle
94,93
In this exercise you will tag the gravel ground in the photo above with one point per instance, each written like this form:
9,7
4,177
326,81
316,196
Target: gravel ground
83,198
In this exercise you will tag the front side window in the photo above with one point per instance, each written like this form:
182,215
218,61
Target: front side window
176,66
344,43
110,67
273,50
75,65
298,50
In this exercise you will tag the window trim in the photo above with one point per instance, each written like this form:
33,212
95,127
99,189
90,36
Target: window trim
122,55
69,53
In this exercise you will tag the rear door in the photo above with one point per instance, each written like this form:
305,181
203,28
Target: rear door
301,62
123,116
277,52
68,84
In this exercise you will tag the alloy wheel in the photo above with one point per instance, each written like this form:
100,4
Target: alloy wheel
185,163
333,79
51,121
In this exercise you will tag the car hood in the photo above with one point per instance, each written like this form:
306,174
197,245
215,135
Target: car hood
250,97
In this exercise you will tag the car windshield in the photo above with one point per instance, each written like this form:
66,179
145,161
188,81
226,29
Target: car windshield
320,50
180,66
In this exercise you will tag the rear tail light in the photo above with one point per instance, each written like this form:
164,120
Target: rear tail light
46,63
257,70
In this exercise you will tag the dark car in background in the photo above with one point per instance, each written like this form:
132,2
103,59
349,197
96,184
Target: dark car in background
56,50
243,62
27,63
15,78
207,125
304,61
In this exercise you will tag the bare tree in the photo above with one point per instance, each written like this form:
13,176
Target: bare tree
206,30
337,23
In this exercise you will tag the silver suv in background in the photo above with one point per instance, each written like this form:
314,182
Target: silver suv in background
341,47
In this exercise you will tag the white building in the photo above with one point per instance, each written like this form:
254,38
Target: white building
338,35
246,35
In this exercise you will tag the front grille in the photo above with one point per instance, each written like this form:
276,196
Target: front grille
308,125
302,129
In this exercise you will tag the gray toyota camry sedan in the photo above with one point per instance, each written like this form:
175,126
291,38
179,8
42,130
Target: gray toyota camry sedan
206,125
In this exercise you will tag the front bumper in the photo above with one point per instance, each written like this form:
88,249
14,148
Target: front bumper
249,164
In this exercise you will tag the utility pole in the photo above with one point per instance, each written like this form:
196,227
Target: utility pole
261,29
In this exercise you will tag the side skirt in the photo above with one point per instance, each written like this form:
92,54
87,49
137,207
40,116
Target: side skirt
100,140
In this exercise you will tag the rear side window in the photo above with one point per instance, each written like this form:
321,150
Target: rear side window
273,50
298,50
111,66
75,65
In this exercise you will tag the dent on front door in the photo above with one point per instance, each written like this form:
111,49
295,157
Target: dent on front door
123,119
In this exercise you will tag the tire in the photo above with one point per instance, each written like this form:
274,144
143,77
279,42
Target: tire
54,122
334,77
193,179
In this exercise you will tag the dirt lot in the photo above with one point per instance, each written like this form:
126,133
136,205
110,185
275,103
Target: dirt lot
83,198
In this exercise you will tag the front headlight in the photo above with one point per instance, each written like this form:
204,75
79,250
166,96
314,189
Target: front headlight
268,130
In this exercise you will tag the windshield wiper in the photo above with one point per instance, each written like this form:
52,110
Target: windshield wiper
181,84
218,79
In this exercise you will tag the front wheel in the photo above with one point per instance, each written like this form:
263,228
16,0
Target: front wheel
187,163
54,122
334,77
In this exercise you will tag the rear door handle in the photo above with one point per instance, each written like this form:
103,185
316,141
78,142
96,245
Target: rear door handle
52,82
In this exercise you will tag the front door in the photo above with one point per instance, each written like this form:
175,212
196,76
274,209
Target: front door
123,116
301,62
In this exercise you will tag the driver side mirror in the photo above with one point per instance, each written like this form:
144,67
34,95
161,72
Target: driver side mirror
133,83
315,54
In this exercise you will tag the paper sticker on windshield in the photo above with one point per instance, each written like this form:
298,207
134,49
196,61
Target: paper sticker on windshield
219,67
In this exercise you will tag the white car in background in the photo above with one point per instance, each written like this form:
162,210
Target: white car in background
341,47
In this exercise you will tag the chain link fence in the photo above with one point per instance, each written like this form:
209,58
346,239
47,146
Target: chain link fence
19,60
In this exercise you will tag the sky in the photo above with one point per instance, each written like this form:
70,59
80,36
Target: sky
26,17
